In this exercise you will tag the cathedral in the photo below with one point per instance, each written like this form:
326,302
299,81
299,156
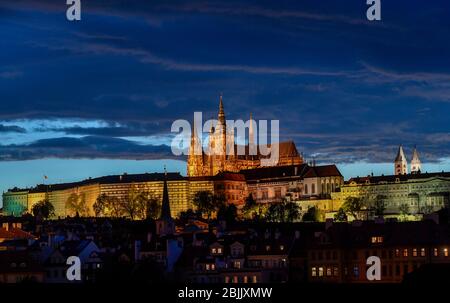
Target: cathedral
220,159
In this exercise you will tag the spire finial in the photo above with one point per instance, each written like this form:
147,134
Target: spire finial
221,116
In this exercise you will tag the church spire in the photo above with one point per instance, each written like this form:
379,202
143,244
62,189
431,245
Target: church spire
221,117
165,207
416,165
400,163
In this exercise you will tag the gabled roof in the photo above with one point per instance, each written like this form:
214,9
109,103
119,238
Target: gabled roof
296,171
323,171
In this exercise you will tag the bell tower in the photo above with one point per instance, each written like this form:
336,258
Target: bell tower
416,165
400,163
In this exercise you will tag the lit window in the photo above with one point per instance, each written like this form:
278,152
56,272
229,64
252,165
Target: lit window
320,271
281,247
329,272
414,252
214,251
254,279
227,279
436,252
267,247
405,252
374,239
422,252
207,267
237,264
219,250
245,279
213,266
314,272
445,252
397,253
235,279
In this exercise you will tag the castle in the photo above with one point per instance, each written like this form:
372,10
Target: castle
220,139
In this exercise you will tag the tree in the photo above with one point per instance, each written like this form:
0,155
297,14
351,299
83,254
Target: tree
404,210
274,213
250,207
153,208
353,206
76,204
204,202
134,204
379,206
283,212
227,213
101,205
340,216
43,209
311,215
291,212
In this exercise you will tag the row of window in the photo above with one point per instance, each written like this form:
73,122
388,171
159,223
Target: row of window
244,279
415,252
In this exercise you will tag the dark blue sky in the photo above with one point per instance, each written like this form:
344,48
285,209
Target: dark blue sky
345,89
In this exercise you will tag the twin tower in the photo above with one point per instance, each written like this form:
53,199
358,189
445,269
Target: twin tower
401,164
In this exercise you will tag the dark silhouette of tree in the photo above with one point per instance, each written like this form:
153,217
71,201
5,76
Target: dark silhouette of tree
206,203
43,209
340,216
283,212
250,207
134,204
353,206
76,204
227,213
311,215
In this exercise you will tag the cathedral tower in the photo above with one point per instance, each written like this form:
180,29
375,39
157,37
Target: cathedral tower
400,163
416,165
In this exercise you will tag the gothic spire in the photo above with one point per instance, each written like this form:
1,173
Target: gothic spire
165,207
400,154
221,117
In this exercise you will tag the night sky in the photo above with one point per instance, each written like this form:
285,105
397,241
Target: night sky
107,88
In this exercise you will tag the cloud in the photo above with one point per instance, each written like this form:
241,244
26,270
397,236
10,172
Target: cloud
11,129
85,147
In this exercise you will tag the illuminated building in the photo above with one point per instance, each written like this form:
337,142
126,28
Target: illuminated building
220,159
422,193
